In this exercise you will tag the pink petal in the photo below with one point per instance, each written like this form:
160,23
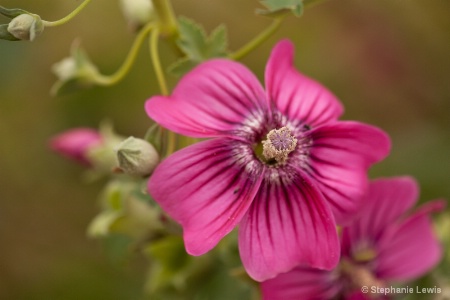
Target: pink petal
302,283
295,95
207,188
358,295
288,224
340,156
217,98
386,200
75,143
410,248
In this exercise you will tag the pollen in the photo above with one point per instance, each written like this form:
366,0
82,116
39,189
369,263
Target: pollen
278,145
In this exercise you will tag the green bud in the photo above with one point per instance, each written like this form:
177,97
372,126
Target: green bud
137,157
137,12
26,27
65,69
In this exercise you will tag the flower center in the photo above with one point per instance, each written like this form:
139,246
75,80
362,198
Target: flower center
357,276
278,145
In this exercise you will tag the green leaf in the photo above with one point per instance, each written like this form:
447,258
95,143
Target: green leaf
197,46
193,40
5,34
217,42
182,66
176,275
280,4
12,12
170,253
169,264
276,8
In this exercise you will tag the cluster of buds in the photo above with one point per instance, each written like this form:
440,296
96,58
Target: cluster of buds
107,152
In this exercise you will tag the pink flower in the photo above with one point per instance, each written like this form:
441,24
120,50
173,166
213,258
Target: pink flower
75,143
385,245
279,163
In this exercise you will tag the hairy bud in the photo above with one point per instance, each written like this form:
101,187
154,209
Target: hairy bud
136,157
26,27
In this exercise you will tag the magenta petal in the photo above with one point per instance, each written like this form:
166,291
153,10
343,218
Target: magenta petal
410,248
302,283
295,95
217,98
358,295
386,201
75,143
288,223
207,188
340,156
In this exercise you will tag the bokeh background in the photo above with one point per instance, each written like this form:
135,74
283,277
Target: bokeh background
388,61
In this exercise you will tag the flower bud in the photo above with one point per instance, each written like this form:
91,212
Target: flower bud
26,26
136,157
65,69
75,144
74,72
137,12
126,210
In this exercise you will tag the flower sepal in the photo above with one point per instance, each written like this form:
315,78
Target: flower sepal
5,34
12,12
280,8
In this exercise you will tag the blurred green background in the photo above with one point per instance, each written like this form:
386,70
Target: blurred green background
388,61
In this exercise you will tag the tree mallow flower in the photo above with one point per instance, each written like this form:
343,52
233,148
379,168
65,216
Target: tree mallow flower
385,245
279,163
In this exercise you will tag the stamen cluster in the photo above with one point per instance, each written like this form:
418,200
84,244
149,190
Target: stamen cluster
279,143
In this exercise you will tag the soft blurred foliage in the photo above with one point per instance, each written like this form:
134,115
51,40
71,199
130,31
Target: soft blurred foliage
388,61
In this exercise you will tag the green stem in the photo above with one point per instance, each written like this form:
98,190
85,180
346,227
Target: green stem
157,63
68,17
171,144
164,11
258,40
131,57
171,136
